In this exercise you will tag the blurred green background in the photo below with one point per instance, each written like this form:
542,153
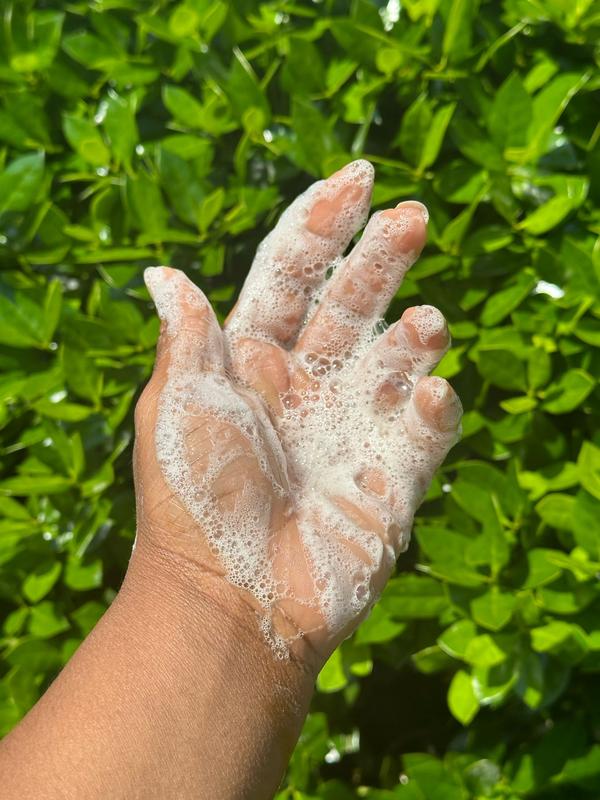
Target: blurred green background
135,133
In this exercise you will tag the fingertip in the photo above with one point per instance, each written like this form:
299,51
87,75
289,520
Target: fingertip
438,404
153,276
175,296
347,192
359,168
408,226
416,207
425,328
156,277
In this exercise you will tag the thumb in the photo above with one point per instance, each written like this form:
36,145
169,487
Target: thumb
190,332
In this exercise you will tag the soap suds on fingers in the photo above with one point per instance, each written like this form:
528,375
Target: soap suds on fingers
331,429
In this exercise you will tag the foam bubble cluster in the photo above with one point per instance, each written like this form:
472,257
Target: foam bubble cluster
336,474
293,259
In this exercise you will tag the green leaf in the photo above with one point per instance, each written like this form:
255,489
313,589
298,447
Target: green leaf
20,182
47,621
416,124
87,615
519,405
569,391
588,331
332,677
304,71
460,182
548,636
34,485
244,90
43,38
92,51
117,116
35,654
435,136
548,105
84,137
184,107
475,144
69,412
483,651
510,114
461,698
584,523
501,368
564,597
210,208
539,368
440,544
82,376
547,216
588,464
411,596
562,639
434,780
540,567
41,580
494,609
457,32
431,659
581,770
23,322
556,510
491,547
15,622
80,576
316,141
184,21
487,238
506,300
52,309
378,627
146,204
455,639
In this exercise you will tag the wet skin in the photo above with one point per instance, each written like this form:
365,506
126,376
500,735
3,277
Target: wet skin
268,355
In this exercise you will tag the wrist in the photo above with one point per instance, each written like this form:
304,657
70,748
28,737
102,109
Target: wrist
229,688
214,616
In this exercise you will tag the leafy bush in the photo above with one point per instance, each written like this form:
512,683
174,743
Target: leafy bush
135,134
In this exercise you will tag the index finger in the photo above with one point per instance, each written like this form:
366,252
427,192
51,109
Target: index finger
291,263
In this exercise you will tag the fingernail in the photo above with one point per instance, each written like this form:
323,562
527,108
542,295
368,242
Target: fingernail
448,408
417,206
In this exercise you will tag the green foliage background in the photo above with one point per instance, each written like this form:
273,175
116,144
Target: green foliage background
135,133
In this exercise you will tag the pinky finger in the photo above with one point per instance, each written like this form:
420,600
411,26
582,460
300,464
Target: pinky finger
433,417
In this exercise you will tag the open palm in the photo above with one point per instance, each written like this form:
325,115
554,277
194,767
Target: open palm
289,451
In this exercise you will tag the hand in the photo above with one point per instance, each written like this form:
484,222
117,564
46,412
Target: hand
287,453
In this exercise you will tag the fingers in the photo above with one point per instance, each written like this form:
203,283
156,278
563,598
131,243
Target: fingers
362,287
407,350
190,335
291,263
432,418
425,427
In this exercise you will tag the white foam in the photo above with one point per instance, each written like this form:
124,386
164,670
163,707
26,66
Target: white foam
314,457
427,323
292,260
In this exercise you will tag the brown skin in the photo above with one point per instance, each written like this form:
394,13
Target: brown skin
172,695
176,694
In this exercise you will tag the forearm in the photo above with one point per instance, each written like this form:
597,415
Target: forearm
174,694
